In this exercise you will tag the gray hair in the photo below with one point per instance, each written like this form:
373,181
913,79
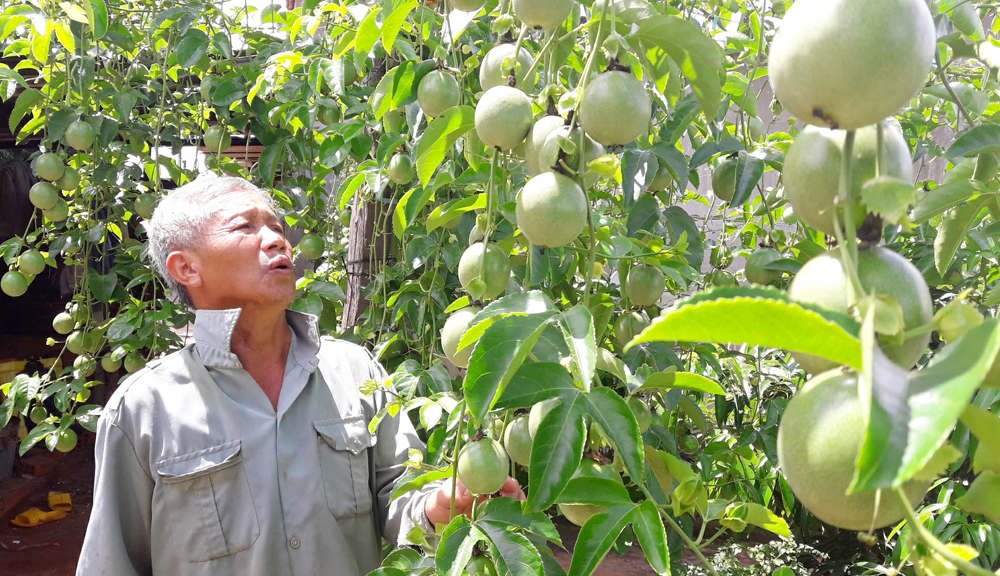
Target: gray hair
181,217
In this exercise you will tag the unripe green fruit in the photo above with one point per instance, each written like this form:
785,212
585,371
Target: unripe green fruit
14,284
663,177
644,285
496,272
756,271
80,135
542,14
49,166
134,362
819,437
483,466
401,170
78,342
850,63
144,205
31,262
327,115
551,210
755,128
70,180
548,156
724,179
65,440
437,92
688,444
57,213
503,117
85,365
643,416
38,414
492,73
517,440
536,138
538,413
823,282
311,246
110,364
811,173
451,334
217,139
721,257
628,326
43,195
615,109
393,121
720,279
63,323
579,513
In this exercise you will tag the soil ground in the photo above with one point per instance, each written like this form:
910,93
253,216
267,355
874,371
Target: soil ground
52,549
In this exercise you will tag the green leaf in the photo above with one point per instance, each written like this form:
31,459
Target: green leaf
670,379
556,451
448,212
409,483
368,34
938,465
534,382
97,16
652,536
458,541
439,136
612,364
497,357
515,553
757,515
697,55
758,317
612,414
36,435
597,537
520,303
643,215
888,197
944,197
511,513
392,23
975,140
593,490
912,414
24,102
953,230
267,165
102,285
577,326
983,497
963,15
191,47
749,170
986,427
679,223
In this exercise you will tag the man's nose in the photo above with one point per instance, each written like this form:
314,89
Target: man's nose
274,240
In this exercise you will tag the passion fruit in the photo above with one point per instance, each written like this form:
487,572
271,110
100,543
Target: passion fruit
756,269
483,466
80,135
615,108
401,170
850,63
451,334
43,195
628,326
437,92
493,270
645,284
663,177
542,14
517,440
31,262
819,437
536,139
823,282
49,166
492,73
548,156
503,117
467,5
724,179
551,210
58,212
811,173
70,180
13,283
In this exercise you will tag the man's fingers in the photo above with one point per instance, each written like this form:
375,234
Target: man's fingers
512,489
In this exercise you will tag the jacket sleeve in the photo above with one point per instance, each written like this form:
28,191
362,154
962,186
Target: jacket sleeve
117,542
396,436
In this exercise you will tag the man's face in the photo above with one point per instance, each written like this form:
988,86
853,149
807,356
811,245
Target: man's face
245,259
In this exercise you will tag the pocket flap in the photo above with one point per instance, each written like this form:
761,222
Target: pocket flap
198,463
351,435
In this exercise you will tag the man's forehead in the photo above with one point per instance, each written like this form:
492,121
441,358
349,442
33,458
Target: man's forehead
239,204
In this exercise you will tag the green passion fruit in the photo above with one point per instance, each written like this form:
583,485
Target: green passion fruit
756,269
493,270
437,92
615,108
551,210
503,117
542,14
645,284
536,138
483,466
451,334
517,440
492,73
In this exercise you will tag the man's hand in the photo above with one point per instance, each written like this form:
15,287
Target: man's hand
438,507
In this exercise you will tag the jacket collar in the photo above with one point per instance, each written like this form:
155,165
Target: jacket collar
213,336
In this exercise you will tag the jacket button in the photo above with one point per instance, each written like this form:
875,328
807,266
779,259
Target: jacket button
294,543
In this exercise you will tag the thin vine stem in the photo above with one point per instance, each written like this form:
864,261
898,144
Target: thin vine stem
931,541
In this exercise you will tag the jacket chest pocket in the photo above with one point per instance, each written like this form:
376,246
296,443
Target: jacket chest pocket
343,459
205,496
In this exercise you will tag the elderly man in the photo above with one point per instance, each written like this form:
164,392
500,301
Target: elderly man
248,451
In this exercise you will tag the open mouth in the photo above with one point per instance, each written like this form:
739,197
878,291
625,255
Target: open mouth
281,263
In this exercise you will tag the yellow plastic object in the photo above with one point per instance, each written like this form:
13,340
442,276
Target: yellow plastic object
35,517
60,501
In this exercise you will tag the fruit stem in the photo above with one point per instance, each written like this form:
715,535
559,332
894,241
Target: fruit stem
848,247
454,463
517,50
951,92
586,72
680,531
935,544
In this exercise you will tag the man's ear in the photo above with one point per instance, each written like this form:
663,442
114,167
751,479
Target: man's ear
182,267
